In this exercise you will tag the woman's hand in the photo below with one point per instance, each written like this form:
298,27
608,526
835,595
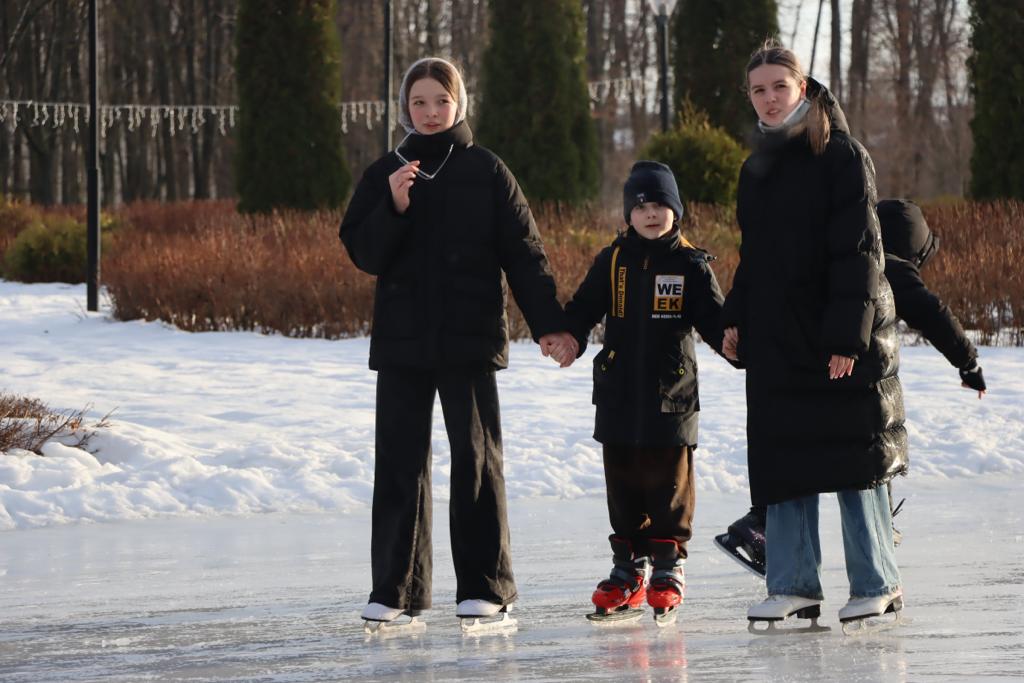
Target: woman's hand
400,182
730,342
840,366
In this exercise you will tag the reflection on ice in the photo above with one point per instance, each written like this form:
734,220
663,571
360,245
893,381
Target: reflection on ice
278,598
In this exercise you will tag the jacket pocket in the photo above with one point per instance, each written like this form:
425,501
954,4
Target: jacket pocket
606,369
677,384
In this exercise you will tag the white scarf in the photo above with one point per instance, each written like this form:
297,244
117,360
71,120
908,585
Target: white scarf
794,117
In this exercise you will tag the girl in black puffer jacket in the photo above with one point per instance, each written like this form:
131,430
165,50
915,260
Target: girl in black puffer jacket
812,319
439,221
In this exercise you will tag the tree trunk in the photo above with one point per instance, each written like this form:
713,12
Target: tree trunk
857,78
835,65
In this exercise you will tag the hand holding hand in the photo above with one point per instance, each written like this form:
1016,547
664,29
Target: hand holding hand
971,378
840,366
560,346
400,182
730,343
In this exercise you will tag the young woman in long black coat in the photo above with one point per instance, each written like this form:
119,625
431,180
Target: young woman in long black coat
438,221
811,317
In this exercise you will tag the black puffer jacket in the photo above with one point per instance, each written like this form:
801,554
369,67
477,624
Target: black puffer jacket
440,297
652,294
809,285
909,243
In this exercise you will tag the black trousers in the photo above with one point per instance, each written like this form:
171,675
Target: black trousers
400,547
651,494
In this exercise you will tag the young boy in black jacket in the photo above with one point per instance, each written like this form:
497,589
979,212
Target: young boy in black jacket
653,288
908,245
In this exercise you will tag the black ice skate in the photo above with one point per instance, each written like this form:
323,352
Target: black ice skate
382,620
495,617
745,542
856,614
777,608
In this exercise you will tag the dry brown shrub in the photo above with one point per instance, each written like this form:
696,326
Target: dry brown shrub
202,266
27,424
977,270
14,217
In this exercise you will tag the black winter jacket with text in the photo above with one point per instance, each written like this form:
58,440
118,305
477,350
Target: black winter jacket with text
652,294
440,294
809,285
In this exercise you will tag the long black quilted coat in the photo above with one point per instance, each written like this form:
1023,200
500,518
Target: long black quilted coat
810,284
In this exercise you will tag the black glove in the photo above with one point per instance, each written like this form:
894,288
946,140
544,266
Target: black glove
972,377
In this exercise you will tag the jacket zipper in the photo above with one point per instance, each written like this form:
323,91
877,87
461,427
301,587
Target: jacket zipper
641,346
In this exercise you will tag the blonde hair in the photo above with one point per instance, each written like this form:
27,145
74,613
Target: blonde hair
818,123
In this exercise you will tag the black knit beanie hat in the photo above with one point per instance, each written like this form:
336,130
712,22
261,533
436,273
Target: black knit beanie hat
651,181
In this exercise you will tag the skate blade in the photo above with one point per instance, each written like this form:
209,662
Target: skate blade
874,624
724,543
474,626
625,616
384,629
666,618
773,629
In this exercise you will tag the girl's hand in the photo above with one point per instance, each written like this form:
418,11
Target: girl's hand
730,342
400,182
840,366
561,346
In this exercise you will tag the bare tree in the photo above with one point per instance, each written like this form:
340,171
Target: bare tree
835,64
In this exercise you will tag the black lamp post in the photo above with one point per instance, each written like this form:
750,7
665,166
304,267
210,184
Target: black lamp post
389,25
92,171
662,11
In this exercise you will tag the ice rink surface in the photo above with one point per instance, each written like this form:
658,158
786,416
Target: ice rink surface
277,597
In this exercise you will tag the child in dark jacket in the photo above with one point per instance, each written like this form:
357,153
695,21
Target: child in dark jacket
653,288
908,245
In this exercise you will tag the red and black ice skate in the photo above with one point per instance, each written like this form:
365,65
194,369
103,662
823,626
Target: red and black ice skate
668,583
621,596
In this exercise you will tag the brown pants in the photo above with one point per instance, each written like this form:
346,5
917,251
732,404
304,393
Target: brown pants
650,494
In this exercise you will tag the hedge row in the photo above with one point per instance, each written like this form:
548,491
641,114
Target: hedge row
202,266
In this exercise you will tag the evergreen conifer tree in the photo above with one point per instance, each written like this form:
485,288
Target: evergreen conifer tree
535,108
713,42
997,81
289,86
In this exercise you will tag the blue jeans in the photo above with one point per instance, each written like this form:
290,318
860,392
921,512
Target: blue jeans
794,551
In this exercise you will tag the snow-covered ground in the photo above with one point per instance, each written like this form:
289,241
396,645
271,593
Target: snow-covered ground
183,581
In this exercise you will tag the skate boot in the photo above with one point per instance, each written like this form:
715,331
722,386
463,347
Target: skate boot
776,608
381,619
620,597
471,612
745,541
668,583
854,615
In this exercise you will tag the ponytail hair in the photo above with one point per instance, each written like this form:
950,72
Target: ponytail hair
818,123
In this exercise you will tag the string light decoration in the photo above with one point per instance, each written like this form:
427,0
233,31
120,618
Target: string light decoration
192,117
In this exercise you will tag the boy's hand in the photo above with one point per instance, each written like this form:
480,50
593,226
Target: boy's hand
561,346
840,366
971,378
400,182
730,342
